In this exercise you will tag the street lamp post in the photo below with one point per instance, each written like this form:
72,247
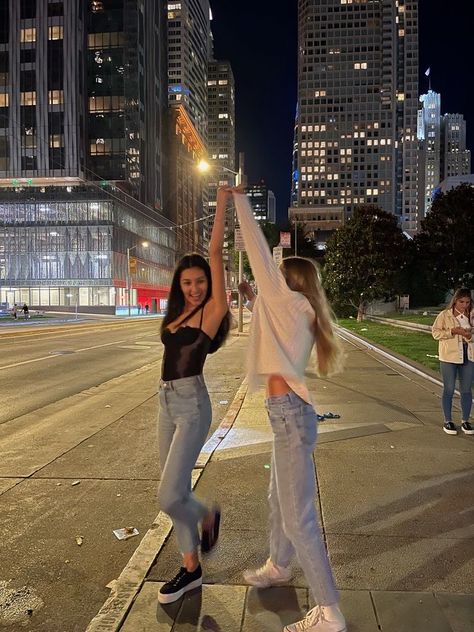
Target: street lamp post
205,166
129,274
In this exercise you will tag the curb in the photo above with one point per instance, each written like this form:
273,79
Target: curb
126,587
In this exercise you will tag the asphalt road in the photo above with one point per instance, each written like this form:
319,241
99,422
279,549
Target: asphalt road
43,365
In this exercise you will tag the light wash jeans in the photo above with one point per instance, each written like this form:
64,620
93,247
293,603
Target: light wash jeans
184,421
293,518
465,373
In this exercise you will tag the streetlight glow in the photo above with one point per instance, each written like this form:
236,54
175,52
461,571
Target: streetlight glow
203,166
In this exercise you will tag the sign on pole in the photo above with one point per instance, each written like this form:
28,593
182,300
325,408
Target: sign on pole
239,245
285,240
278,255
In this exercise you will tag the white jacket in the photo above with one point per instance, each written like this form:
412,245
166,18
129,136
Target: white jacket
281,333
450,347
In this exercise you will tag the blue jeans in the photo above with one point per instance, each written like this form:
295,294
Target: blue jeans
293,518
465,374
184,421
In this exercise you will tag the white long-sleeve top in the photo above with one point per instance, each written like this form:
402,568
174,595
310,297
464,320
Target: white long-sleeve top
281,332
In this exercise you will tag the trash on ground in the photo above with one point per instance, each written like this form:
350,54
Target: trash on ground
266,466
58,484
364,329
79,540
332,415
112,585
75,483
429,355
392,446
108,406
224,401
125,533
118,495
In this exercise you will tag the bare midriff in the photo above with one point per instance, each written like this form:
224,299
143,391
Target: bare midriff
277,386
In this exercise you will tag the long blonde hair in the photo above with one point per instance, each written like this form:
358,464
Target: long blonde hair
302,275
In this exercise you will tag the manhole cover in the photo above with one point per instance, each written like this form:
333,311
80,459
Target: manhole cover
17,605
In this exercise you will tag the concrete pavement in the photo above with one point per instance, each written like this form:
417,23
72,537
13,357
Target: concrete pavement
396,500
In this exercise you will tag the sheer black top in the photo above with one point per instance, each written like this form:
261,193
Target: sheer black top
185,351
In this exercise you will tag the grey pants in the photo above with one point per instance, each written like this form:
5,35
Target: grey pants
293,518
184,421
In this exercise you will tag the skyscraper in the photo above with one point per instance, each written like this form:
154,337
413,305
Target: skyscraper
221,147
82,105
263,202
442,147
429,135
455,158
188,56
355,133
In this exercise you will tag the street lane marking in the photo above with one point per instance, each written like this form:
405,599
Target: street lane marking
58,354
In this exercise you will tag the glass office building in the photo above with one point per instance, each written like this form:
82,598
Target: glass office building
68,248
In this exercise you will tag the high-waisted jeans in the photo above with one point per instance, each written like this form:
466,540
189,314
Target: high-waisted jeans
184,421
465,373
293,517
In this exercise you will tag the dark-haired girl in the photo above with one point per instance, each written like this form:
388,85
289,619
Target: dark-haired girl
196,323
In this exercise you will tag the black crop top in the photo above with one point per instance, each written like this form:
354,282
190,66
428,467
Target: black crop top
185,351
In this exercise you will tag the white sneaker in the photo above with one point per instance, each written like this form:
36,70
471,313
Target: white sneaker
316,621
267,575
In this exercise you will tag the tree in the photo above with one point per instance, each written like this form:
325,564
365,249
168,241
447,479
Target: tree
364,259
445,244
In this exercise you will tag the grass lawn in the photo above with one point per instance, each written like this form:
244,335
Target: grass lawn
415,345
412,318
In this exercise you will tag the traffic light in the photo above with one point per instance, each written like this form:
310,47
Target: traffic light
133,265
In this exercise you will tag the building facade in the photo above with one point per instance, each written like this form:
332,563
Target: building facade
188,55
81,162
221,150
189,44
429,135
263,202
355,133
455,158
442,147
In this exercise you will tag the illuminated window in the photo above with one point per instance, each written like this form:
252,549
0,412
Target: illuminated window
56,97
55,32
223,115
28,35
212,82
56,140
3,100
27,98
106,40
107,104
223,82
320,93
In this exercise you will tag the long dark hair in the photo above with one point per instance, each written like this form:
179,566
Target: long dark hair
176,300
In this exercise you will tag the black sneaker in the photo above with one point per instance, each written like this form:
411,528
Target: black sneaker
450,428
467,428
180,584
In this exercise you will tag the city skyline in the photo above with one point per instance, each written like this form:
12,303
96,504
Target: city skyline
265,72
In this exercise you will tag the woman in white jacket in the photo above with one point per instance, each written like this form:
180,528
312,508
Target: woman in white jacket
290,317
454,329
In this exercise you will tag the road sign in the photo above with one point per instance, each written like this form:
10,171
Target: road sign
278,255
238,240
285,240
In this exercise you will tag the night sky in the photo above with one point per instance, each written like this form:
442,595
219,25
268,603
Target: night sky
260,40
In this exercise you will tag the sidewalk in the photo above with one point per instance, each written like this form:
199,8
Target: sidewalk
395,496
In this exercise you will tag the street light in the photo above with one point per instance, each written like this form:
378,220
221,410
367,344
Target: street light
203,167
144,244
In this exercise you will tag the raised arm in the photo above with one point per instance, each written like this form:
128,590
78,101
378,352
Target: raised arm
271,282
216,261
